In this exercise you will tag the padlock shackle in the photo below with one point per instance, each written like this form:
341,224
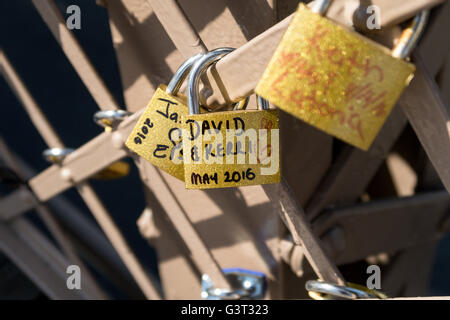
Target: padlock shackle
181,74
197,70
410,36
110,118
321,6
56,155
261,103
200,65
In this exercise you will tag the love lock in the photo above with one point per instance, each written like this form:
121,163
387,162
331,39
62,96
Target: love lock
56,155
230,148
157,134
246,284
321,290
110,119
335,79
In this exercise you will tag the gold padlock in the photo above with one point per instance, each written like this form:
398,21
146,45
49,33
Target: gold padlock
110,120
336,79
157,134
230,148
116,170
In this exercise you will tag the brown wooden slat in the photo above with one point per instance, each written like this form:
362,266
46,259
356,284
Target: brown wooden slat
38,259
75,53
178,27
34,112
429,118
354,169
298,225
87,160
384,225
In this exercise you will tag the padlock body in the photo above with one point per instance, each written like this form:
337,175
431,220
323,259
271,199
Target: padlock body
231,149
118,169
334,79
157,134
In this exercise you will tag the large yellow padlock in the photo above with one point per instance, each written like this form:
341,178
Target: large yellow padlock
336,79
157,134
230,148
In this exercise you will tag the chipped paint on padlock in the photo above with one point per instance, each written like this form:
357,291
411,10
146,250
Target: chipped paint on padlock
215,156
334,79
157,134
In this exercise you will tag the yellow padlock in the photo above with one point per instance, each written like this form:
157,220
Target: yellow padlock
157,134
110,120
116,170
230,148
336,79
